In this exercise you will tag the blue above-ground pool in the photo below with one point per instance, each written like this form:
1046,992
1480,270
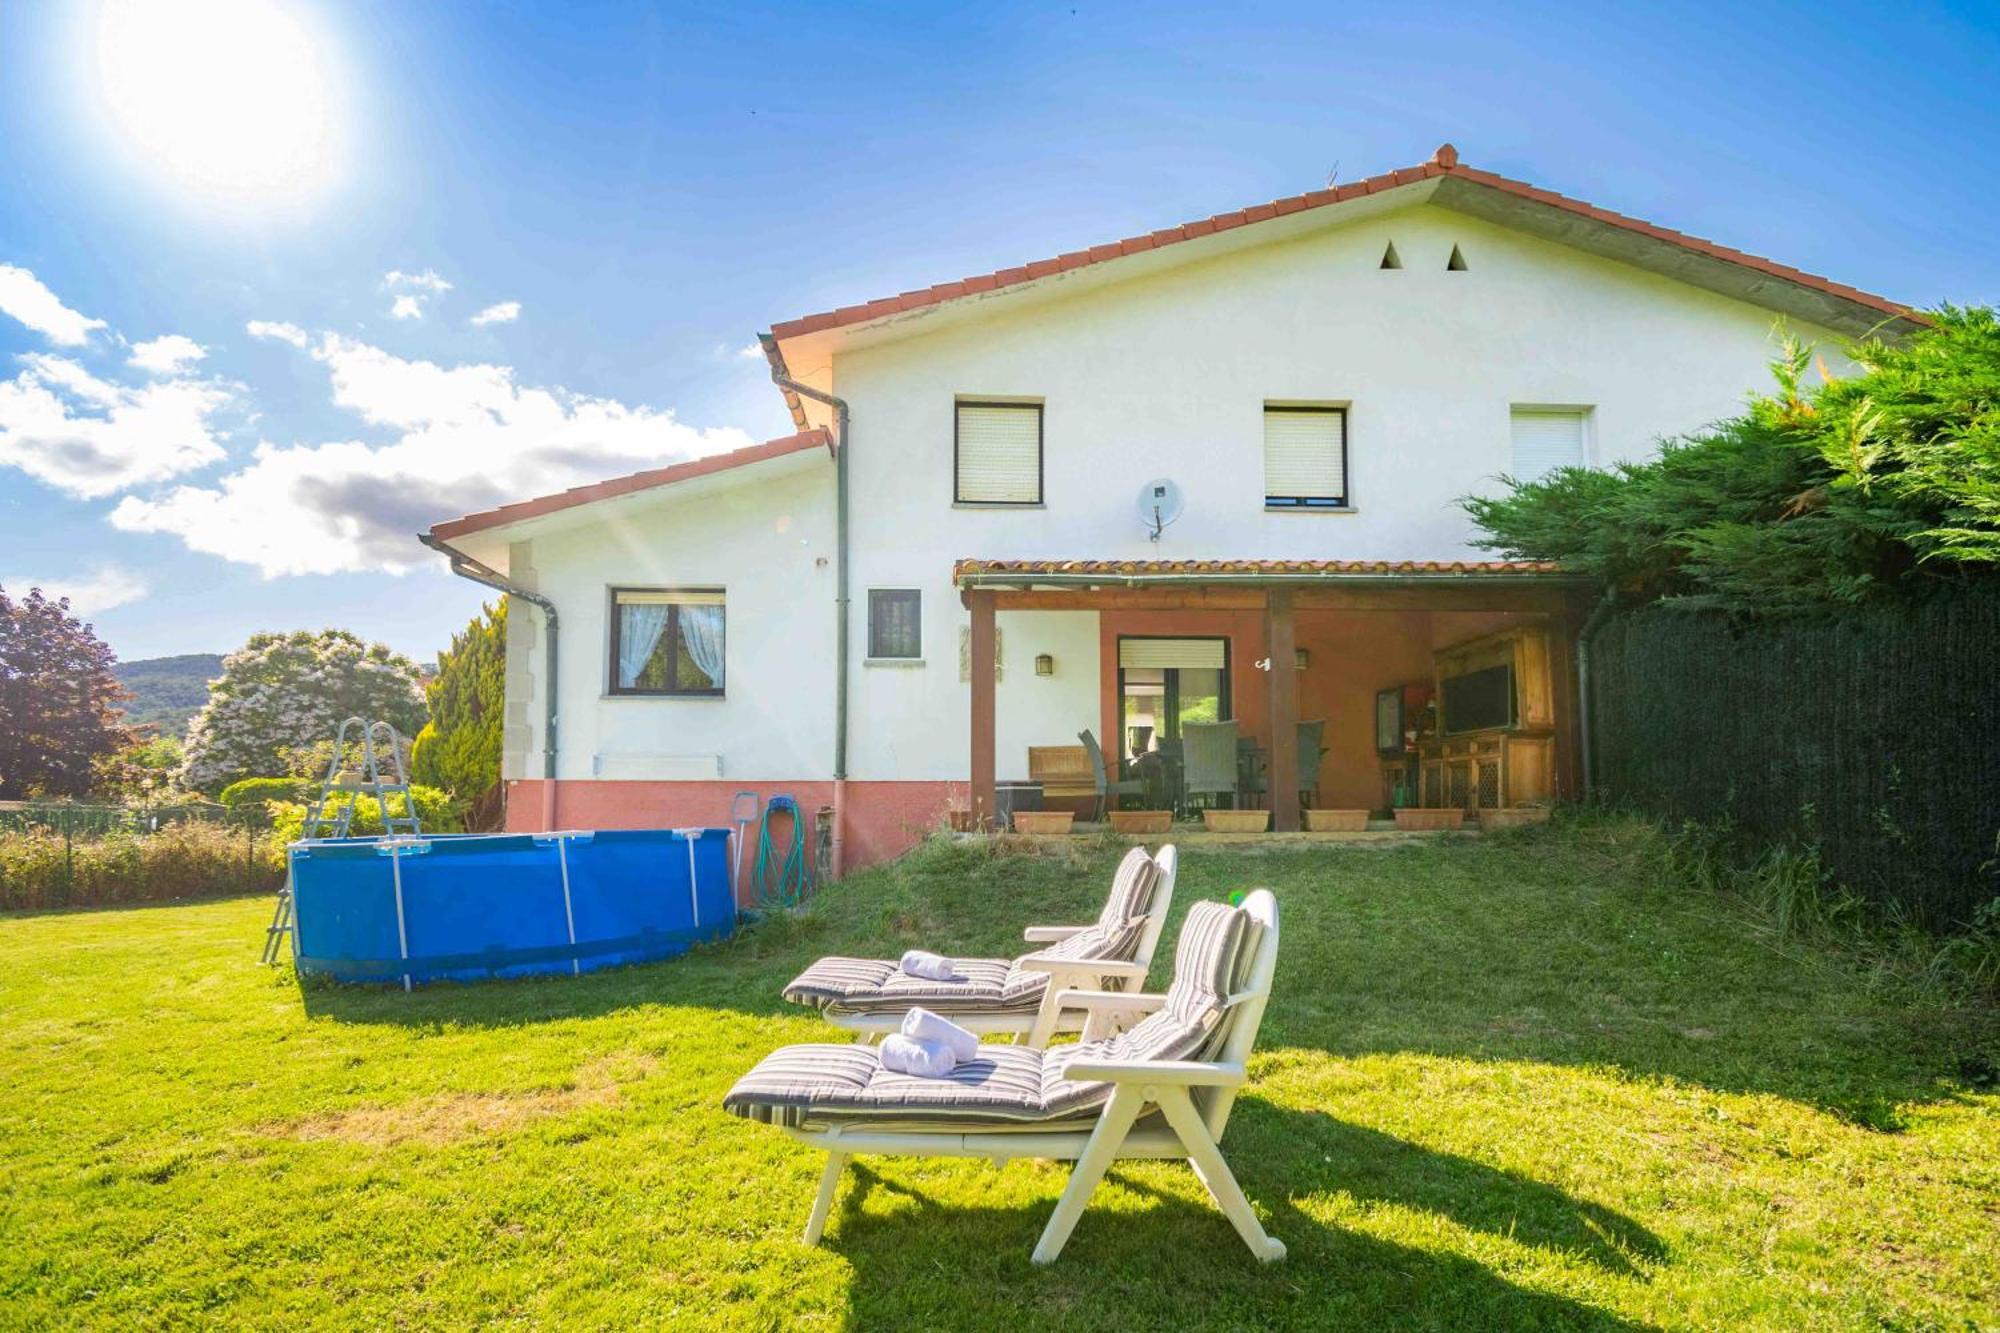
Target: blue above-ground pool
468,907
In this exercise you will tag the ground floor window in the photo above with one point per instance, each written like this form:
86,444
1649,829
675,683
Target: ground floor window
667,641
895,624
1163,684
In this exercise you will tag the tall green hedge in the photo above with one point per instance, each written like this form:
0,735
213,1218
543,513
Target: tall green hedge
1873,736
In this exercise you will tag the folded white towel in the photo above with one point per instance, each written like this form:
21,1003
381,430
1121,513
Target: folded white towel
929,966
925,1059
921,1024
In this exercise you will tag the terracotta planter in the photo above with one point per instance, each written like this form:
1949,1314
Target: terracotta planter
1518,817
1417,820
1141,821
1336,821
1236,821
960,821
1042,821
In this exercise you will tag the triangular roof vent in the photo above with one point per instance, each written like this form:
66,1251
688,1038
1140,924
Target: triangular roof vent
1390,259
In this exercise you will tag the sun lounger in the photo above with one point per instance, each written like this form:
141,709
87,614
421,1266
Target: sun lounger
995,996
1161,1089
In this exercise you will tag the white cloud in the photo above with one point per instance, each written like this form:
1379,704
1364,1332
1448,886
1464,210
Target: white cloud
104,587
406,307
506,312
468,437
90,438
168,355
751,352
283,332
23,296
427,281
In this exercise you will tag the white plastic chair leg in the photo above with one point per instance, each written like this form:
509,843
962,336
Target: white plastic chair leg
1098,1154
829,1181
1215,1175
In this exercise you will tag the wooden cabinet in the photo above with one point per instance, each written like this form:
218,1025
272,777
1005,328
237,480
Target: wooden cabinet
1494,767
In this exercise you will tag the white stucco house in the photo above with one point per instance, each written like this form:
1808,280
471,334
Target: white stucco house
1322,377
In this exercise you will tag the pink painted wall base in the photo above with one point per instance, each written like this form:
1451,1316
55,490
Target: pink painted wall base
884,819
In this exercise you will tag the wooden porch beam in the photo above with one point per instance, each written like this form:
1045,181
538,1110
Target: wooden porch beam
1470,596
984,806
1281,641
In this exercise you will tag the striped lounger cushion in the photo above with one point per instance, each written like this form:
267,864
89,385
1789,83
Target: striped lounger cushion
986,985
817,1086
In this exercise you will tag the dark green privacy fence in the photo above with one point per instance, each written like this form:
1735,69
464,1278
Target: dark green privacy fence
1873,737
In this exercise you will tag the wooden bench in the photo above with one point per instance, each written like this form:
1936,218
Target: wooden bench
1063,772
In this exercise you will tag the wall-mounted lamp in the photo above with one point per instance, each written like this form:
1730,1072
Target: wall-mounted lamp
1301,658
1044,665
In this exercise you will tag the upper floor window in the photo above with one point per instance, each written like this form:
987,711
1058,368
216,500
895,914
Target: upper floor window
895,624
667,641
1547,438
1305,457
997,454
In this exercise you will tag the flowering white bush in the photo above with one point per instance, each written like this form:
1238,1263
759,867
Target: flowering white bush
282,694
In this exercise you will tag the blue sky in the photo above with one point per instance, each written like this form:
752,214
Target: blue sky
630,193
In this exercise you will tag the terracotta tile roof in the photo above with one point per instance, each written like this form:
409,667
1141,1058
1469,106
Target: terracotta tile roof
638,481
1114,570
1444,162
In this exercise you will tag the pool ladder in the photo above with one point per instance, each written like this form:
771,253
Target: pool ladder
343,787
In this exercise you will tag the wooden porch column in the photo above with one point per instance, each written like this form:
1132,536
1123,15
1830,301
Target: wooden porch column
1567,779
1282,643
980,601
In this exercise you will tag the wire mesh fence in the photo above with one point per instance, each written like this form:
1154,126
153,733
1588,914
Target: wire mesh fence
1873,737
64,855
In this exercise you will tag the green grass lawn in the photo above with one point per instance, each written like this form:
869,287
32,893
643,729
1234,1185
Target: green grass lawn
1502,1083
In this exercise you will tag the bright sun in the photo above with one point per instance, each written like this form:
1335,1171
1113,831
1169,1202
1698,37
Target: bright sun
233,99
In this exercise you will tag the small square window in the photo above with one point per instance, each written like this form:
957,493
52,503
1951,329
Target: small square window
1547,439
667,641
1305,457
997,454
895,624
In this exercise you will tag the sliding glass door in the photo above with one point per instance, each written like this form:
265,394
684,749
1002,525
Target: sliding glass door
1163,684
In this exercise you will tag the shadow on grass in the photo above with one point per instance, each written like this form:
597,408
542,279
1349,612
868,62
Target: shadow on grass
1175,1262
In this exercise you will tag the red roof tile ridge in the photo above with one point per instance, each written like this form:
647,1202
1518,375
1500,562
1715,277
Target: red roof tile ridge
521,510
1443,162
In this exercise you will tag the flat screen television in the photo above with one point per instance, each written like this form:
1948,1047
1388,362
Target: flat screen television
1478,700
1389,720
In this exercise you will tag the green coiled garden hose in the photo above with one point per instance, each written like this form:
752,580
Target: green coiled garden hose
792,879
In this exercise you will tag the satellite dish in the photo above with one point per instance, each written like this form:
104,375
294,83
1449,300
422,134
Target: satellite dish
1160,503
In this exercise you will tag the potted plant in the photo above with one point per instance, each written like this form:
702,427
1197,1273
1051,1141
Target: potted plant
1236,821
1428,819
1335,821
1140,821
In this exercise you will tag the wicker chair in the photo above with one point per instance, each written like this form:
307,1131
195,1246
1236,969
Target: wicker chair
1209,760
1107,787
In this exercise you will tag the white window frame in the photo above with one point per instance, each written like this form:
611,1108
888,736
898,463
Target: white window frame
1586,414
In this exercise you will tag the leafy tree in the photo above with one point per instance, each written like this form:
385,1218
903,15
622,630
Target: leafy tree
147,770
283,693
459,748
59,714
1855,490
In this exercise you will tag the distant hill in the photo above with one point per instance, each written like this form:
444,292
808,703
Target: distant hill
167,691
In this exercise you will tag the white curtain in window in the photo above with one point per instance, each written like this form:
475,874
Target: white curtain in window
639,631
701,634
